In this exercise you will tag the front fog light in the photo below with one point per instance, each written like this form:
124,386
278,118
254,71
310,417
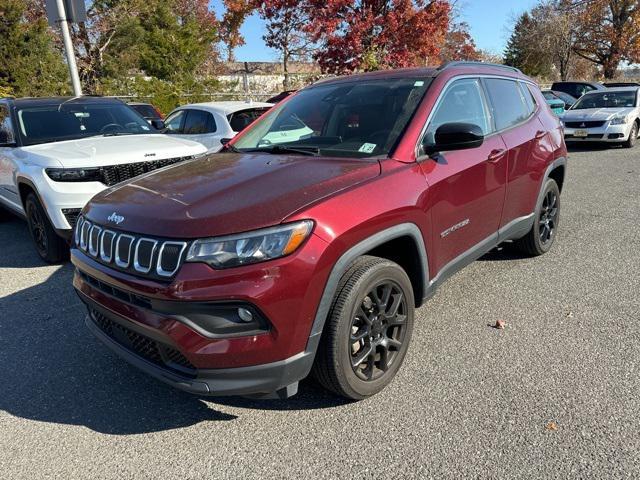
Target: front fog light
245,315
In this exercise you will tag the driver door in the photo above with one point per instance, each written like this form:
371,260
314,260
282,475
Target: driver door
466,187
8,167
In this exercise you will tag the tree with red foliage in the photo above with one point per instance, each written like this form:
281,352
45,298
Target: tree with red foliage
374,34
459,44
229,29
285,22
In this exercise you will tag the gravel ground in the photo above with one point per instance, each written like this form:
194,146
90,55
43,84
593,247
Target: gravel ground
552,395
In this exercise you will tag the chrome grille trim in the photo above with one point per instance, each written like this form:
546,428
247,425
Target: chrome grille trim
94,251
119,261
104,245
159,270
136,264
103,255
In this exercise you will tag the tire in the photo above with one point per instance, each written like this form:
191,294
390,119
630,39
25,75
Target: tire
633,136
543,233
49,245
354,328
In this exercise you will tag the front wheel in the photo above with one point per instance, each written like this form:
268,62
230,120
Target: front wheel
49,245
633,136
368,330
545,227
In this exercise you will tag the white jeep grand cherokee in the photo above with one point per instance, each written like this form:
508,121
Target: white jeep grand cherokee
57,153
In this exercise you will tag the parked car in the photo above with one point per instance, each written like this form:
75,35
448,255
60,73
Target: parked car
621,84
281,96
150,113
576,89
565,97
611,116
213,123
242,272
56,153
556,105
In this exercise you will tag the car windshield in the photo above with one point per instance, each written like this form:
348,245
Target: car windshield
74,120
606,100
363,118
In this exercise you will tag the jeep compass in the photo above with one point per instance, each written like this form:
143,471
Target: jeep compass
242,272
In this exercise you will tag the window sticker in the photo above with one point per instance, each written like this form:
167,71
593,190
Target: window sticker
419,83
367,147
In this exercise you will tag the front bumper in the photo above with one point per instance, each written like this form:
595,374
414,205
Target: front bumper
606,133
272,380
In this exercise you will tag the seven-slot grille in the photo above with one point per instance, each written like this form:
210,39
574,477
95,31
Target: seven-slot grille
134,254
119,173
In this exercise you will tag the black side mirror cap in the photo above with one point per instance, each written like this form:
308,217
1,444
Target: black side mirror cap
224,141
455,136
158,124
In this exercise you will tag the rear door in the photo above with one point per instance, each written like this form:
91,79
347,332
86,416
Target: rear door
466,187
514,110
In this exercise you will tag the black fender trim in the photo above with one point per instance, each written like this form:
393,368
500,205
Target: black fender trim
347,258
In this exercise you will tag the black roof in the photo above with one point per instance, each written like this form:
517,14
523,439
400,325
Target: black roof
42,101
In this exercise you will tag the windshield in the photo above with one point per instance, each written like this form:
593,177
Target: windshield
355,119
607,100
73,120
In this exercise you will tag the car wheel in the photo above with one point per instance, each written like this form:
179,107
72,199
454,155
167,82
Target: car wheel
368,330
633,136
545,227
51,247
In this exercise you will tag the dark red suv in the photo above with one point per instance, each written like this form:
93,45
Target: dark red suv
308,244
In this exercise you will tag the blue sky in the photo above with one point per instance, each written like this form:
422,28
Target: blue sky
489,21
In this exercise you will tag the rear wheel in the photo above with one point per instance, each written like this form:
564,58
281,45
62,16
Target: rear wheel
544,230
49,245
368,330
633,136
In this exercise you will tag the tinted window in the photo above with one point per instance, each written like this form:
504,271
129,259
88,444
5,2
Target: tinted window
507,100
463,101
174,122
146,111
528,98
6,127
238,121
198,122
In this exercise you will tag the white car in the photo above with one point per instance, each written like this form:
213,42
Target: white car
611,115
213,123
57,153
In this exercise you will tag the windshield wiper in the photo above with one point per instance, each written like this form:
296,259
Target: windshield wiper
279,149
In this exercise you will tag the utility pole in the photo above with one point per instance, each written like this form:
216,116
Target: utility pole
62,14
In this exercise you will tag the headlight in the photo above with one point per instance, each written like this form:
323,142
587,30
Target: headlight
250,247
74,174
618,120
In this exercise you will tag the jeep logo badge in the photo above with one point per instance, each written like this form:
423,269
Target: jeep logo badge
115,218
149,154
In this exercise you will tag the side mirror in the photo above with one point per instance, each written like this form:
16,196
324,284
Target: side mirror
224,141
158,124
455,136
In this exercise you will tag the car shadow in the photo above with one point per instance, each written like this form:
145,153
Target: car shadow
504,251
53,370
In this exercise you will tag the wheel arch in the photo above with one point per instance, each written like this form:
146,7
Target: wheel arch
407,237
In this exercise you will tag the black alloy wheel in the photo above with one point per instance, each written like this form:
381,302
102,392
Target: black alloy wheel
548,217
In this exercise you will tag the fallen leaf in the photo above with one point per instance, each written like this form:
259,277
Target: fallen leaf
499,324
553,426
569,314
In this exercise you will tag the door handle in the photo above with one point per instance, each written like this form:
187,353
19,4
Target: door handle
540,134
496,155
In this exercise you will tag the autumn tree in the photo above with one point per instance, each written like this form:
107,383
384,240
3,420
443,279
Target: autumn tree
374,34
608,32
236,12
285,23
458,44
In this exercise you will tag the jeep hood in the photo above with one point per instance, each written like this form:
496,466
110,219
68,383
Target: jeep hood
225,193
115,150
590,114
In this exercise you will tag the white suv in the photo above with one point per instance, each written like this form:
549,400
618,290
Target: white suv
57,153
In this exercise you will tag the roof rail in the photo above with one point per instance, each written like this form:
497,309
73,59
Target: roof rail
463,63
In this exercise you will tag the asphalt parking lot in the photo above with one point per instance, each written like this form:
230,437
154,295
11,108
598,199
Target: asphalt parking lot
554,394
